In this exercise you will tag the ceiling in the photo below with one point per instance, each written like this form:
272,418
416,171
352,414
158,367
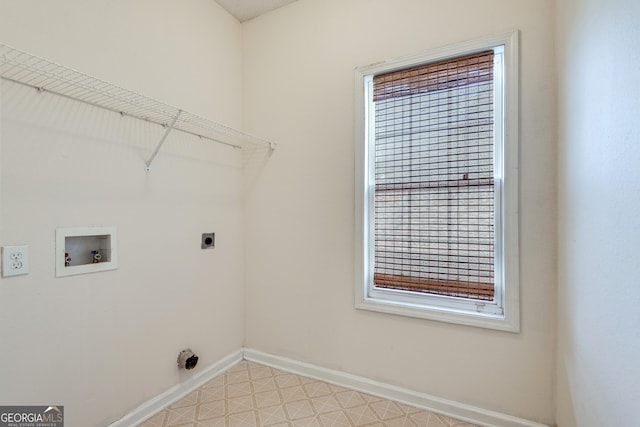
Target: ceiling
244,10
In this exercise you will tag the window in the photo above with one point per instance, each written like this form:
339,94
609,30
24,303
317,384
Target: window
436,182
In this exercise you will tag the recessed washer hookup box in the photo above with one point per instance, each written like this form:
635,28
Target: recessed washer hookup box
81,250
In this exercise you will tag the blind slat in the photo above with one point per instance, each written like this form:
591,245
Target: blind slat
434,77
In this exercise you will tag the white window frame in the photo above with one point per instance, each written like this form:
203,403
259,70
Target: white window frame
502,313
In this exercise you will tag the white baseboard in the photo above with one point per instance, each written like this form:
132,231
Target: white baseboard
177,392
435,404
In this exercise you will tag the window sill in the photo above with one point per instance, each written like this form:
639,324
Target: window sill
500,322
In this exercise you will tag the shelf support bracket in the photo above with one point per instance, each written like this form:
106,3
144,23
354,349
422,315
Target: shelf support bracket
147,166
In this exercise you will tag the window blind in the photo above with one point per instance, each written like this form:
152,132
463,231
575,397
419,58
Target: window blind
434,178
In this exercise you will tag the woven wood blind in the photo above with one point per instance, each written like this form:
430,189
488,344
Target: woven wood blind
434,178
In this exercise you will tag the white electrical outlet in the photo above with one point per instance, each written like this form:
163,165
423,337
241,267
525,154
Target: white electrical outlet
15,260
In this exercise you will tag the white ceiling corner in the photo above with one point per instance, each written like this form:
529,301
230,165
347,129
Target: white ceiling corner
243,10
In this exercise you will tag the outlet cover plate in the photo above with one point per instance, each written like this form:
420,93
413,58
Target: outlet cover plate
15,260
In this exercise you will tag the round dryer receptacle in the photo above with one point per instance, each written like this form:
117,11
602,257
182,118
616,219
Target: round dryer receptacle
187,359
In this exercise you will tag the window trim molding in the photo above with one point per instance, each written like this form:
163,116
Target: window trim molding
448,311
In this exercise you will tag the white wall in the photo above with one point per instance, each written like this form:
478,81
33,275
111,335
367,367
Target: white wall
299,64
101,344
599,230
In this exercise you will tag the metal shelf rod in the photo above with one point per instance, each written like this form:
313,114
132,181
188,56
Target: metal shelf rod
147,166
138,117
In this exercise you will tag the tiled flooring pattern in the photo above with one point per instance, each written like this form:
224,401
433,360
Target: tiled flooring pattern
252,395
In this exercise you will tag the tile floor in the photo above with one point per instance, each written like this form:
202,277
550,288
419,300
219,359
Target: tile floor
250,394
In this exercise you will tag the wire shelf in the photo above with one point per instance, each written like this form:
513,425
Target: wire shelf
21,67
